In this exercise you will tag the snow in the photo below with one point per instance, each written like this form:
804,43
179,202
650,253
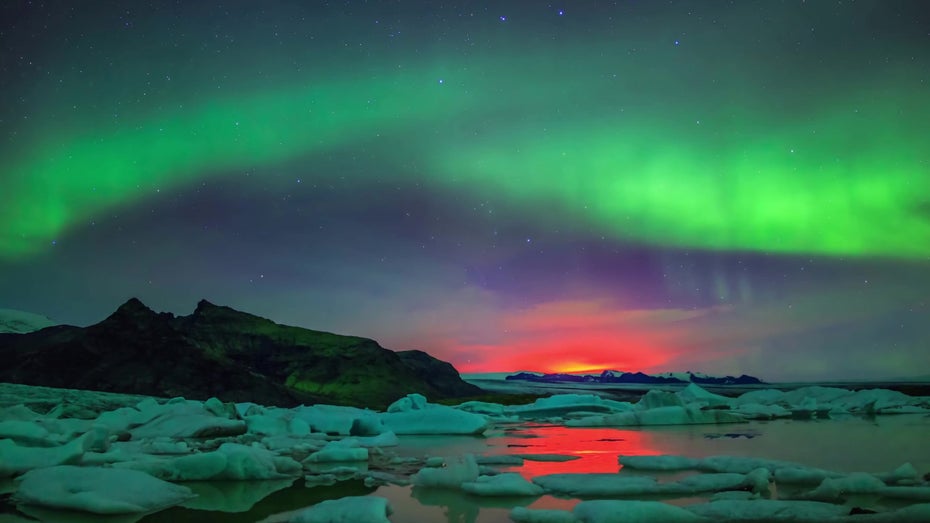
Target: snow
617,511
456,471
596,484
231,461
413,415
342,450
98,490
352,509
856,483
507,484
672,415
21,322
340,421
189,420
693,393
16,459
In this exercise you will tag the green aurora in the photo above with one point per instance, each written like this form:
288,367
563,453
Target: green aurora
846,180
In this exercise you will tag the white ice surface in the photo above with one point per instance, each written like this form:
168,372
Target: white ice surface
507,484
623,511
433,419
671,415
21,322
98,490
16,459
455,472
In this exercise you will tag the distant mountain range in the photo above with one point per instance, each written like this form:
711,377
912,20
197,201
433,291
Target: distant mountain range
613,376
222,352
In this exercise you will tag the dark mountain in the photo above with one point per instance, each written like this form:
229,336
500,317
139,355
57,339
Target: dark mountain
439,374
222,352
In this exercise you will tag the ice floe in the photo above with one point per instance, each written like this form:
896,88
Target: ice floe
98,490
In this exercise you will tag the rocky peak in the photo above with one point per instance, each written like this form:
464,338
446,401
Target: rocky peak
134,312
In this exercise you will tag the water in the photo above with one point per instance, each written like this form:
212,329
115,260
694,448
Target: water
848,445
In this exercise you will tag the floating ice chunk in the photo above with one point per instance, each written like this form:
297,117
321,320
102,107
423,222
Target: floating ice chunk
655,399
188,421
352,509
416,417
255,462
16,459
596,484
26,432
98,490
698,483
661,462
761,397
906,473
759,480
434,461
693,393
452,475
342,421
482,407
818,394
385,439
803,475
759,411
270,425
18,412
855,483
741,464
195,467
768,510
526,515
408,403
622,511
566,404
689,415
341,450
507,484
230,461
740,495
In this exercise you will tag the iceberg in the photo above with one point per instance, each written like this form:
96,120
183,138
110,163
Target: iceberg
98,490
507,484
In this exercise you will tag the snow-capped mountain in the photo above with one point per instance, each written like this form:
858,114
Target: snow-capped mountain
19,322
614,376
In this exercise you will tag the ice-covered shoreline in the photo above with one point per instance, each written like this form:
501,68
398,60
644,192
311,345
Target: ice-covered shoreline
106,454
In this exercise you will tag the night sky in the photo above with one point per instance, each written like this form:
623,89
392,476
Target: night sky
726,187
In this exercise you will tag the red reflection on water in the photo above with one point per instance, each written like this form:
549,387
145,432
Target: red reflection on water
597,449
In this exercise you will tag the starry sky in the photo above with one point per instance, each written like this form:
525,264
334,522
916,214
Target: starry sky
716,186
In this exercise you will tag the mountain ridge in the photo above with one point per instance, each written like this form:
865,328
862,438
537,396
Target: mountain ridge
220,351
614,376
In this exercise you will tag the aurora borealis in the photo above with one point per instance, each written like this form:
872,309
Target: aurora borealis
633,185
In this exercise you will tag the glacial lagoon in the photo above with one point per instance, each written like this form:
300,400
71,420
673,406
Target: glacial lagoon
303,454
852,444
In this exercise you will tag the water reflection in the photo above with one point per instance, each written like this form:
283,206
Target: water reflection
294,497
596,449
